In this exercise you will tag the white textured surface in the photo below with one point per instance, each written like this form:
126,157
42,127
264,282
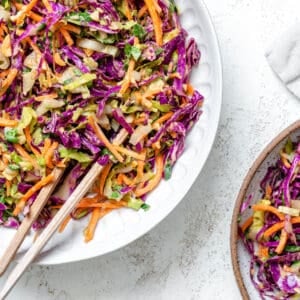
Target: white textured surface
187,255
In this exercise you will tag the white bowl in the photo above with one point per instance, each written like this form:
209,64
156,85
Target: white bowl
124,226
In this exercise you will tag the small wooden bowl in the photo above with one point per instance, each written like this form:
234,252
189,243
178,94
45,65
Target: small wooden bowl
251,186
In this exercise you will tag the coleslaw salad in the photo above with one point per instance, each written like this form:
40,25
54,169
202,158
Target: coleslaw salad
93,82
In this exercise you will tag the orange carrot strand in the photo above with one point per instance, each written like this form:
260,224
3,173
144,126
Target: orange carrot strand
152,184
157,22
103,138
282,242
20,205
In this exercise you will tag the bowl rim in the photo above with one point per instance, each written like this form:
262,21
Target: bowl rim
241,195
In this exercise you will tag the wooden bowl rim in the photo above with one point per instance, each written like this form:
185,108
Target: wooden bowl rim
234,221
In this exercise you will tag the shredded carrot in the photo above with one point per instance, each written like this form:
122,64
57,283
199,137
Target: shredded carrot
24,10
8,123
157,7
152,184
285,162
33,45
127,80
103,205
49,155
88,52
157,23
268,191
5,115
4,29
139,121
99,133
61,164
45,97
5,160
142,11
89,200
34,16
47,5
138,97
97,214
269,208
8,80
64,224
151,93
274,228
103,177
127,11
130,153
47,145
58,60
8,187
72,28
164,118
67,36
247,224
175,75
189,89
263,251
282,242
18,6
20,205
127,180
140,169
119,179
4,73
24,154
29,141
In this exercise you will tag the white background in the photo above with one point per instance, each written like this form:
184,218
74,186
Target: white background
187,255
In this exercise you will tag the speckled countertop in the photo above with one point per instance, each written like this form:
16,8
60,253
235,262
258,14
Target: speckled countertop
187,255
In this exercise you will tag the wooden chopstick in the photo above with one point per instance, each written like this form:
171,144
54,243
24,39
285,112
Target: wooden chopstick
52,227
26,224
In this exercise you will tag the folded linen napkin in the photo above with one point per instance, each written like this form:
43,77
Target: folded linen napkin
284,58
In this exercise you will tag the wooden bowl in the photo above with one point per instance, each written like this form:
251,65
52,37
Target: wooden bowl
251,186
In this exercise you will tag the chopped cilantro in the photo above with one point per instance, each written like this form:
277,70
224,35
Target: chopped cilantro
67,81
288,146
11,135
138,31
105,152
292,248
132,51
41,26
79,17
14,167
15,158
172,6
168,171
117,188
145,207
115,195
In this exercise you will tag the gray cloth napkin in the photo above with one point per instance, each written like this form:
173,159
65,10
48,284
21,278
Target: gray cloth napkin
284,58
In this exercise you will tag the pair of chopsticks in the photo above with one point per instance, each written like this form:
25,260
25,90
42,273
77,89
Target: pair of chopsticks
47,233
